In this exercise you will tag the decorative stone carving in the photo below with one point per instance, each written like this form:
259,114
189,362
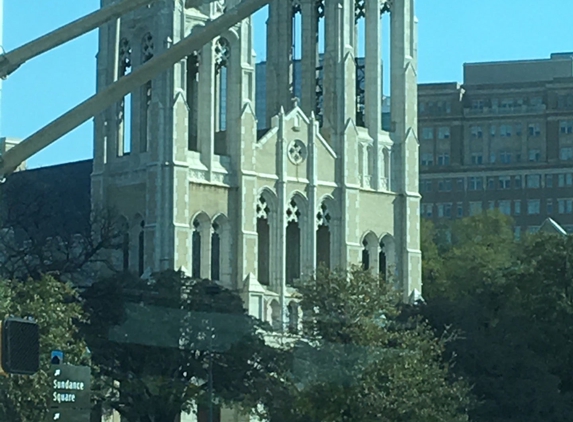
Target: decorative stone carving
297,152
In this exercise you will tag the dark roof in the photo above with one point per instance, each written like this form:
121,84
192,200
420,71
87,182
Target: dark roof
48,201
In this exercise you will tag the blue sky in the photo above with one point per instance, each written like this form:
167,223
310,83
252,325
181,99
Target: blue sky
451,32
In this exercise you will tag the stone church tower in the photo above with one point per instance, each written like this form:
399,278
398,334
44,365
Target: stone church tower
200,188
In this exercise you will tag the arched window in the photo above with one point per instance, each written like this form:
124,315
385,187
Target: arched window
359,42
222,56
293,317
323,237
123,231
193,100
215,253
264,242
147,51
124,108
365,256
141,249
369,252
293,243
382,260
196,250
275,315
387,257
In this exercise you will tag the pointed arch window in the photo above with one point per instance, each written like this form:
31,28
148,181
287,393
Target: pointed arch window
123,229
323,237
215,252
264,241
365,256
293,317
382,260
196,250
222,56
147,52
293,243
141,249
192,85
124,107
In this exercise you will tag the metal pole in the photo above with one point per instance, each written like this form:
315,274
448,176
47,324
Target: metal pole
210,368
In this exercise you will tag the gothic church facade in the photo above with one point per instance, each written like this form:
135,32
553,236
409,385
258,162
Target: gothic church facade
201,188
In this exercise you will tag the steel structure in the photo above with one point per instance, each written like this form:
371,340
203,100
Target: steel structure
113,93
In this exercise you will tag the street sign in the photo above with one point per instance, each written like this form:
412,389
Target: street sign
69,415
71,387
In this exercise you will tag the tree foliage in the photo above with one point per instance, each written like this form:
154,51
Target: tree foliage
511,300
55,307
153,342
361,358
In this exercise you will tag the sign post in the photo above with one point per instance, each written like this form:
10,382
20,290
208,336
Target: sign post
71,388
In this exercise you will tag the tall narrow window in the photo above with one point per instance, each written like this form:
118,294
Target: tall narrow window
382,261
323,237
124,108
264,244
141,250
365,256
293,317
147,51
125,251
296,50
222,55
193,100
215,253
360,54
293,244
196,251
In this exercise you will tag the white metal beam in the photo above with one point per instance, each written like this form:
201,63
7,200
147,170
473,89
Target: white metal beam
118,90
11,61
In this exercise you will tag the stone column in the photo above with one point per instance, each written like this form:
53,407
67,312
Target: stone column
280,245
206,112
404,121
309,261
279,57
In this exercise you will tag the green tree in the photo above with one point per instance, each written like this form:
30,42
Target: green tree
56,309
361,358
155,340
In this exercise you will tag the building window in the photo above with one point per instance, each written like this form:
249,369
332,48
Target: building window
444,132
475,208
505,157
491,205
533,181
565,180
517,207
426,185
549,206
566,127
293,243
475,183
492,158
548,180
534,129
491,183
444,159
448,107
517,232
427,133
535,101
264,241
566,154
427,210
323,241
518,129
421,107
476,132
477,158
534,155
492,131
505,207
444,210
533,206
505,131
427,159
445,185
460,208
196,250
460,185
477,104
504,182
565,206
517,182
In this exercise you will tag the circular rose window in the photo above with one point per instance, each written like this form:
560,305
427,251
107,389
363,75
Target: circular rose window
297,151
